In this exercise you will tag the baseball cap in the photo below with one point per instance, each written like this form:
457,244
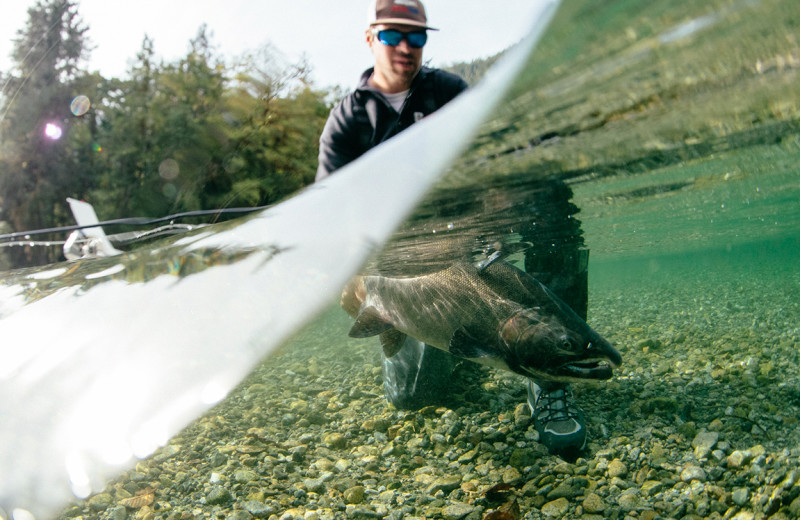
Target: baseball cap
405,12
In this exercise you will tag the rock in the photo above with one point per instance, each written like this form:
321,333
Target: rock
652,487
648,514
335,440
444,484
100,502
794,508
522,415
617,468
239,515
563,491
738,458
167,452
315,485
628,501
118,513
593,504
219,495
243,476
520,458
564,468
703,443
556,508
470,456
258,508
690,473
716,425
511,476
457,511
658,454
740,496
354,495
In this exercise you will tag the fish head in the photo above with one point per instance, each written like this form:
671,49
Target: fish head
552,343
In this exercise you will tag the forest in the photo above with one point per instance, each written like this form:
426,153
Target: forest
170,137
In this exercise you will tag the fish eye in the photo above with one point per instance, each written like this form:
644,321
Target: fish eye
565,341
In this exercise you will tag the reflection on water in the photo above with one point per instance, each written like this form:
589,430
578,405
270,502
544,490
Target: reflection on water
511,214
662,137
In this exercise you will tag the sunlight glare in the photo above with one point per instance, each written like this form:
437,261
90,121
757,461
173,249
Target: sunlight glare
53,131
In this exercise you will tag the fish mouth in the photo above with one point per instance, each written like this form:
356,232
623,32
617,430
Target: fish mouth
588,369
600,362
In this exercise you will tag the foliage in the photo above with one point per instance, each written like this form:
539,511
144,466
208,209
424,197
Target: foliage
473,71
34,170
170,137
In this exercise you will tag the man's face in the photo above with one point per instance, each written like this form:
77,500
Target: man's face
395,67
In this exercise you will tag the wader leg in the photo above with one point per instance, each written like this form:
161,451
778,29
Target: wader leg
560,423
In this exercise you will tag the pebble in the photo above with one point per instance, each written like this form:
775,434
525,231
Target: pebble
100,502
367,460
652,487
738,458
628,501
617,468
219,495
511,476
593,504
335,440
794,508
354,495
315,485
740,496
458,511
444,484
704,442
690,473
258,509
556,508
243,476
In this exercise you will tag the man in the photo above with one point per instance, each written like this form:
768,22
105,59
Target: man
391,96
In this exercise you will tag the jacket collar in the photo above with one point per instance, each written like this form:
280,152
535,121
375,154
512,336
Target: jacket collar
363,83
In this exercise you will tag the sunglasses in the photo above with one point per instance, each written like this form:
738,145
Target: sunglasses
393,37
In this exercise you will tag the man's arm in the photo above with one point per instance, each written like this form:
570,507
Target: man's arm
340,142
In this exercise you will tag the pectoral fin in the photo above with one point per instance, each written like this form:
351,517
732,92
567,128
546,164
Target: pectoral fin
466,345
369,322
392,341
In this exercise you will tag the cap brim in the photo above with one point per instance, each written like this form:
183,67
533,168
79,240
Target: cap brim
403,21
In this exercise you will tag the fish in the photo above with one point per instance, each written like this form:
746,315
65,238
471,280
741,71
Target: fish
491,313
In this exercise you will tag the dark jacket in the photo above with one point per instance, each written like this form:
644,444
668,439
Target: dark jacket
364,118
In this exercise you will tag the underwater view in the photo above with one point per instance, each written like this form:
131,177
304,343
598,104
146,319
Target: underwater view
657,141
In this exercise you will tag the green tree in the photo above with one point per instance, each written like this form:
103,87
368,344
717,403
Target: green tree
126,137
165,134
277,118
37,168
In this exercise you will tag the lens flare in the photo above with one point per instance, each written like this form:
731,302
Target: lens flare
169,169
53,131
80,105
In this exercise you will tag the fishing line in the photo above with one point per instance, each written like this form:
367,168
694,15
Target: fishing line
130,221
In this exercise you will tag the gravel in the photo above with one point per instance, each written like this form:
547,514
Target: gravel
701,421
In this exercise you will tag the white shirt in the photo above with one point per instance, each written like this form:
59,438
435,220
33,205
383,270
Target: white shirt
396,100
